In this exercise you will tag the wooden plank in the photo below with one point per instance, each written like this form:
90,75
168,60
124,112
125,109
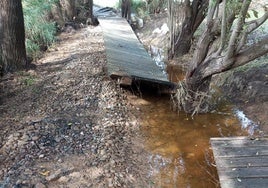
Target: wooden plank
125,53
241,146
245,141
241,161
251,172
256,161
245,183
241,151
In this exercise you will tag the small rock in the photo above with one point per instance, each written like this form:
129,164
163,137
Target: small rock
18,182
55,175
34,138
64,179
102,152
75,174
110,182
59,173
40,185
41,156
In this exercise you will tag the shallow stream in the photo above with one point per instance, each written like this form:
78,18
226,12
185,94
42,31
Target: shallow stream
179,144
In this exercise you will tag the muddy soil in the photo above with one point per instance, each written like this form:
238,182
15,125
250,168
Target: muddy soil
66,124
247,88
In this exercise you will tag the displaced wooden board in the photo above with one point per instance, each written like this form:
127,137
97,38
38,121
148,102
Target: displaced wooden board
126,56
241,161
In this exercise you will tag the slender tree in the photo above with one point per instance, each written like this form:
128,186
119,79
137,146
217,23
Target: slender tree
12,36
222,46
91,19
89,7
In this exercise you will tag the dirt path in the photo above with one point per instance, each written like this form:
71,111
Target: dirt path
65,124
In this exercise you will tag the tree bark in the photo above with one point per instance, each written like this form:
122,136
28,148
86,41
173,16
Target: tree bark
126,9
68,9
56,14
185,17
92,20
90,8
221,47
12,36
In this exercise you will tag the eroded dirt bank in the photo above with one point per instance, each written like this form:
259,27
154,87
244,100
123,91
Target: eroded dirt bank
247,88
65,124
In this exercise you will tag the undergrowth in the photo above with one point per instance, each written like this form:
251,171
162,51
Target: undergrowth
145,8
184,98
39,31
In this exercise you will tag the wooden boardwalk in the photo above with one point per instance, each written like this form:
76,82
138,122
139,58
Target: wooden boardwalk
241,162
126,56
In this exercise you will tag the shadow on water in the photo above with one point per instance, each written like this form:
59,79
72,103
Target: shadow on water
178,144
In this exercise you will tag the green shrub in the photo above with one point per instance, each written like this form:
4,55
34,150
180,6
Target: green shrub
40,32
144,8
140,8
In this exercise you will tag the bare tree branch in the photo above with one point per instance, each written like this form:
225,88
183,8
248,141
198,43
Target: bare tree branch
199,8
232,46
251,53
223,28
206,38
220,64
211,10
251,26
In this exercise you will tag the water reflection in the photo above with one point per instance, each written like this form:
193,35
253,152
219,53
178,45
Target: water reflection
180,153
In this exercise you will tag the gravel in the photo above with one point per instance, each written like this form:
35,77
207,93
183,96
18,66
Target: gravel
71,126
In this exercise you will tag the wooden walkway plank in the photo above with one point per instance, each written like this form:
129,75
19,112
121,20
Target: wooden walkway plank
246,162
241,161
246,183
126,56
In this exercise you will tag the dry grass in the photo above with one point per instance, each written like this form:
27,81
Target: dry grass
180,97
183,98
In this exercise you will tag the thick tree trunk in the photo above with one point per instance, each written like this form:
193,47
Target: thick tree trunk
56,14
221,47
197,80
197,87
185,17
12,36
182,45
68,9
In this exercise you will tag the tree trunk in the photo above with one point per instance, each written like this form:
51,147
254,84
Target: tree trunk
126,9
56,14
12,36
182,45
68,9
222,46
90,9
92,20
88,4
185,17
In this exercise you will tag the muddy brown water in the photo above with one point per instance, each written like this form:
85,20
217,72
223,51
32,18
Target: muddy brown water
178,144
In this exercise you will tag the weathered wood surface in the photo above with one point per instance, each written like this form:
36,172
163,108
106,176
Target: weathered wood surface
241,162
126,56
